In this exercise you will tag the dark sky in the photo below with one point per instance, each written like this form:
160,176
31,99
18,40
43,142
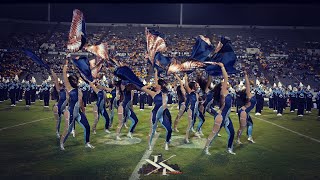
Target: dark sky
219,14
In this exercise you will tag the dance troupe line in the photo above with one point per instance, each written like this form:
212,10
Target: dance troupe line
203,98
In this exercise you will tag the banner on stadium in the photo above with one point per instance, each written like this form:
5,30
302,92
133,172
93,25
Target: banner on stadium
313,52
252,50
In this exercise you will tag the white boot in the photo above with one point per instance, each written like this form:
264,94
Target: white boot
129,135
166,147
88,145
230,151
62,147
118,138
107,131
206,150
251,139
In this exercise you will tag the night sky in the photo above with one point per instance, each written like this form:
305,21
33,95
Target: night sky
202,14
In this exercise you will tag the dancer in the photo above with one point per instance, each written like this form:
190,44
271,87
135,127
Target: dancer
181,92
160,111
222,119
193,109
114,101
244,112
73,112
61,103
125,109
100,107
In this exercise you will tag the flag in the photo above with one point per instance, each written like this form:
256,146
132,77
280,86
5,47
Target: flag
36,59
95,66
77,33
226,56
155,43
84,67
126,74
100,50
202,49
188,66
161,60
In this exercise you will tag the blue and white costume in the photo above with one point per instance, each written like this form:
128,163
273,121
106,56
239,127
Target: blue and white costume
249,121
162,115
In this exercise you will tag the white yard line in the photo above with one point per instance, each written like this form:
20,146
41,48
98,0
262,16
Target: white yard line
308,137
9,127
135,175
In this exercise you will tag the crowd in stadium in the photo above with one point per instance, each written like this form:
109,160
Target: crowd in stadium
133,43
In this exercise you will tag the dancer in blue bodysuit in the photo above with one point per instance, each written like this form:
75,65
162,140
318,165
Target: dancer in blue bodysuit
181,92
73,112
100,107
125,109
245,120
222,119
193,109
114,101
160,111
208,104
61,104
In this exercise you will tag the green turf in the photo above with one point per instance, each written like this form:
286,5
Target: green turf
32,150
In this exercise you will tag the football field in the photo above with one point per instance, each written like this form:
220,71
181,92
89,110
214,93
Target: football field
286,147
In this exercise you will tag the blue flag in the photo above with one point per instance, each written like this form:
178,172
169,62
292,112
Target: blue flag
202,49
126,74
36,59
226,56
162,60
84,67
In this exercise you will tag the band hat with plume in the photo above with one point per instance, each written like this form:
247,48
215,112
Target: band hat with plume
23,81
16,78
274,85
300,85
33,80
290,87
257,82
144,82
104,78
308,87
49,79
212,85
279,84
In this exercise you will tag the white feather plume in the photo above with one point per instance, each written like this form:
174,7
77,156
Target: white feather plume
257,82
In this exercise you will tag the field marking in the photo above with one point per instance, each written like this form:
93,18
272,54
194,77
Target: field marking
135,175
9,127
308,137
